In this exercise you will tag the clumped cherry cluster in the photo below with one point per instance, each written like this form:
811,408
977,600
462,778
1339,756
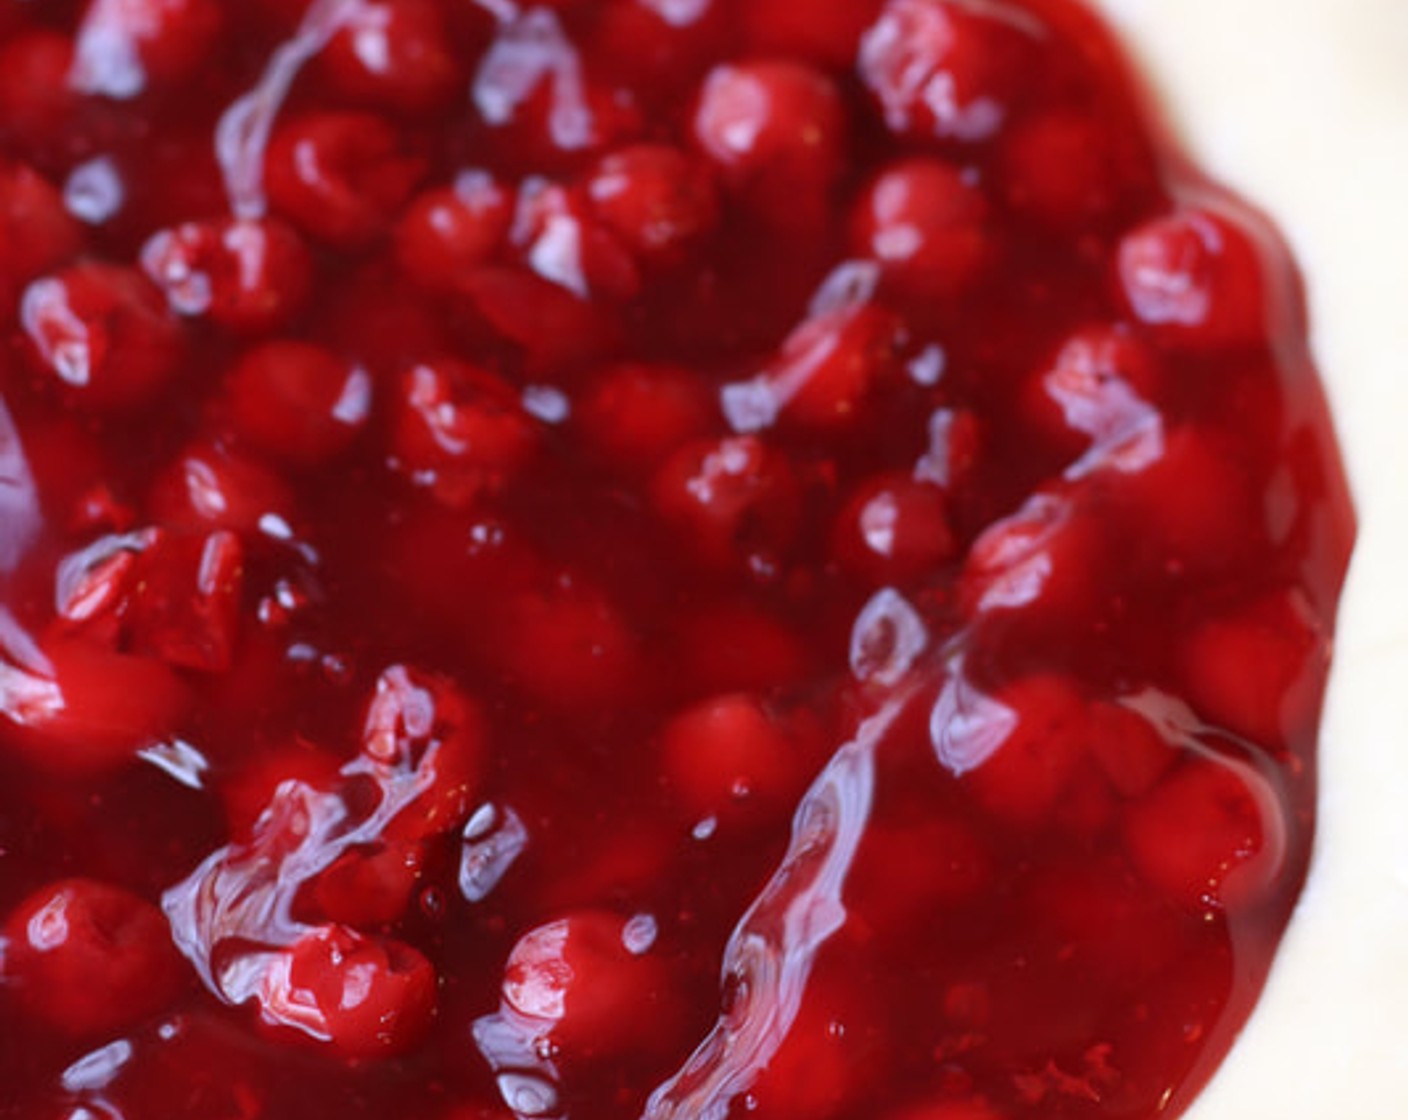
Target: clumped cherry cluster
470,471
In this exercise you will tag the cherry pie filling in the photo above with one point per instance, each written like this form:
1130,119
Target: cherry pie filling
664,558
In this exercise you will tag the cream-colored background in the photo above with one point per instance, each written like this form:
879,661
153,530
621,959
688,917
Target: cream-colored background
1302,105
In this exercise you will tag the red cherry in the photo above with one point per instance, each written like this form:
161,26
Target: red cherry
731,753
363,998
1128,748
733,501
1212,834
393,54
730,646
945,68
385,324
925,222
455,567
594,984
1030,768
895,529
1195,278
657,200
371,887
560,240
249,791
341,177
297,402
777,131
209,487
36,232
659,47
636,414
1102,382
546,108
832,1055
127,47
554,326
824,373
449,230
1066,170
89,958
828,34
92,586
1050,556
103,331
568,645
908,873
186,609
92,708
37,103
248,276
460,430
1197,501
427,743
1257,670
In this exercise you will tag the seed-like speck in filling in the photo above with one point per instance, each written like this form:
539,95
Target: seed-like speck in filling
613,559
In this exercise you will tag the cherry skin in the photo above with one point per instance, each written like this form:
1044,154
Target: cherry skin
460,430
826,370
1210,836
777,132
340,177
129,47
36,232
1067,171
826,35
249,276
369,888
102,333
362,998
568,642
449,230
1102,381
656,199
908,873
187,606
924,222
736,501
729,752
662,46
36,99
593,983
90,708
297,402
426,739
638,413
944,69
895,529
1029,770
728,646
210,487
1195,279
1247,669
88,958
393,54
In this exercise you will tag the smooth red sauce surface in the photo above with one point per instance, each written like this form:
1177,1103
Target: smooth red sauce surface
510,515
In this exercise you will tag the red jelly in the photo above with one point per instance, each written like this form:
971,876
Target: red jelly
638,558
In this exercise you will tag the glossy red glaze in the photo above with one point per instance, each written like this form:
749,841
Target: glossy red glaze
503,517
